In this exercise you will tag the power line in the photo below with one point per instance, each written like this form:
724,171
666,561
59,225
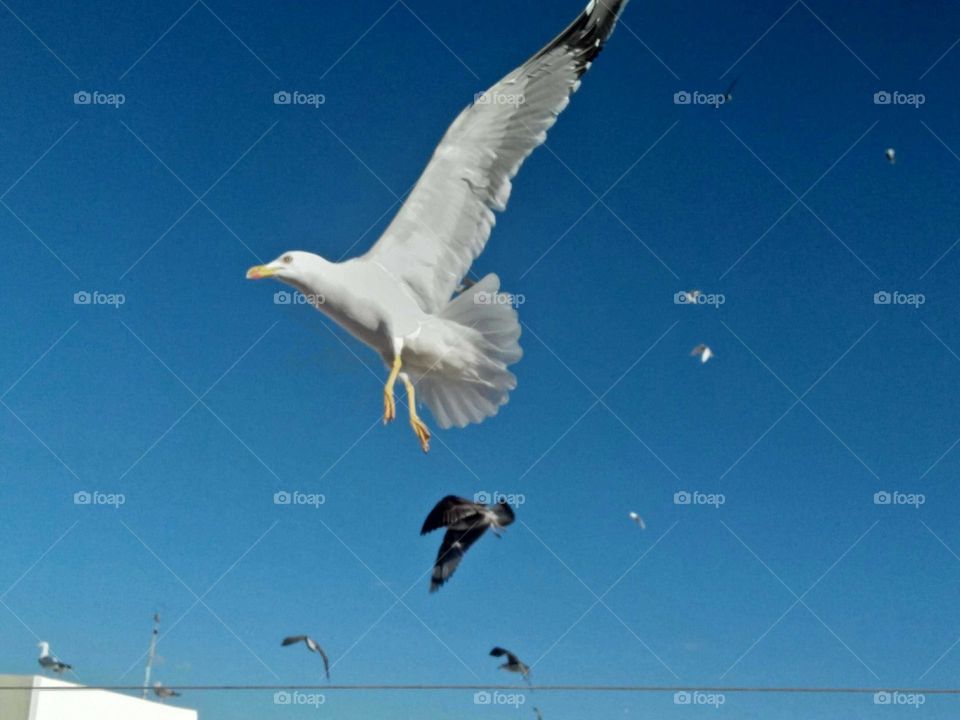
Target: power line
525,688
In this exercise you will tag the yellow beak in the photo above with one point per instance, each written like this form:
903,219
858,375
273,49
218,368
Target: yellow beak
258,272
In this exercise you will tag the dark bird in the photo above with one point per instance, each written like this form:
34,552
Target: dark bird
728,94
50,662
513,663
312,646
466,522
163,693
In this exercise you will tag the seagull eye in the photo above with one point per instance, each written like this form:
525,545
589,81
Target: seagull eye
286,259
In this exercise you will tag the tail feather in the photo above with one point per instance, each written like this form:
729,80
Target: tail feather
494,346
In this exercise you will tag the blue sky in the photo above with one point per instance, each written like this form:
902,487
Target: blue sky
199,398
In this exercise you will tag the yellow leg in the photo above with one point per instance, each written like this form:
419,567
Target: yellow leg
419,427
389,405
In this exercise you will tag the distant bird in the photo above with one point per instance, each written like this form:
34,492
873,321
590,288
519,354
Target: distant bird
465,521
638,520
50,662
453,354
891,154
312,646
163,693
728,94
703,351
513,663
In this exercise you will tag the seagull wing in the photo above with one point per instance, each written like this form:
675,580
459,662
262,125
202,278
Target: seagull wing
450,510
326,661
447,219
293,640
454,546
500,652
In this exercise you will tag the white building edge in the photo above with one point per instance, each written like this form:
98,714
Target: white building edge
42,701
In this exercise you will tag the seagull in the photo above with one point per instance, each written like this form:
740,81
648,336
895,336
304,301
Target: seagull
513,663
638,520
312,646
466,522
50,662
728,94
891,154
703,351
398,298
163,693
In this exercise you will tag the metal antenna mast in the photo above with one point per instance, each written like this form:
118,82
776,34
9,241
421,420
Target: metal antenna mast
151,655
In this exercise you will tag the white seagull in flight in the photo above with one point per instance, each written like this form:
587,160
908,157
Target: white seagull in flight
398,298
312,646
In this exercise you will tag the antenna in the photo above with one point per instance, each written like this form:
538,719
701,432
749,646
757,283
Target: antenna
151,655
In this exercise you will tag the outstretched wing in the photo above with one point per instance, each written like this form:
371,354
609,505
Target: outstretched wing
448,217
326,661
450,510
454,546
500,652
293,639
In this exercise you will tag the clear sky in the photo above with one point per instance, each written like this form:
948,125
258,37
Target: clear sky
199,398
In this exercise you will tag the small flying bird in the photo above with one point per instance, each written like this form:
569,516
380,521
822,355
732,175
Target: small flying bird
312,646
50,662
728,94
703,351
466,522
513,663
891,154
638,520
163,693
